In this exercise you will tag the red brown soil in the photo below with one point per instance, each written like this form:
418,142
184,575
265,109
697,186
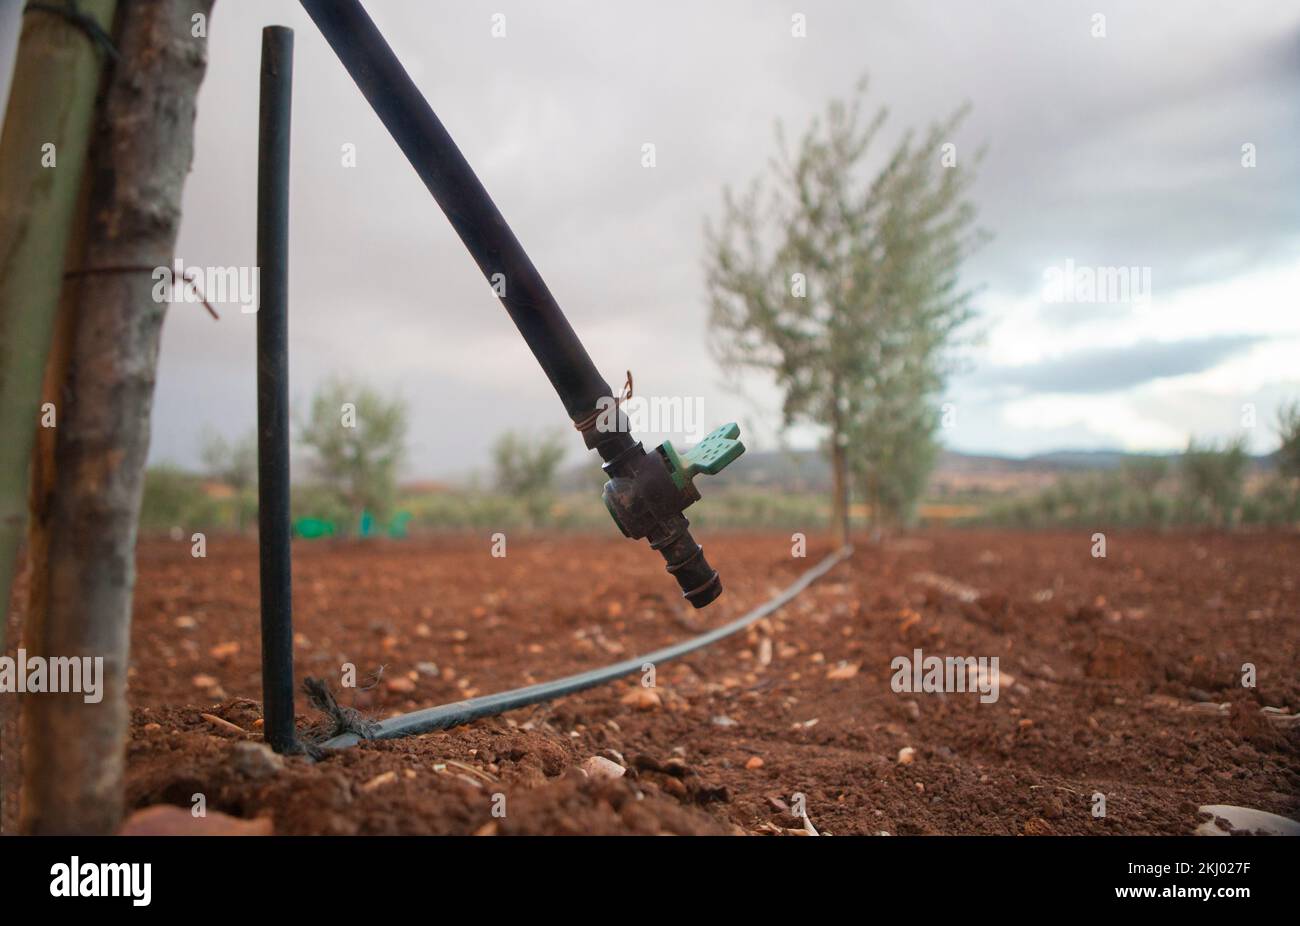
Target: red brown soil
1119,667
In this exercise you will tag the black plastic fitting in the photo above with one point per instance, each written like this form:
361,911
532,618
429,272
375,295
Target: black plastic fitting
646,504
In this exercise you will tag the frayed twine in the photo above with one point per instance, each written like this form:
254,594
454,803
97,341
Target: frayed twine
341,719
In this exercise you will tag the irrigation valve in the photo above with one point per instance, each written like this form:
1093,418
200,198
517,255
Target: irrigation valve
647,493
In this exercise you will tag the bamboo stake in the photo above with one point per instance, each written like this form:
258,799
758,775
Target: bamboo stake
42,157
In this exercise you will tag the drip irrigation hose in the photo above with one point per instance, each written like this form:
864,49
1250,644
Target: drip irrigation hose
461,712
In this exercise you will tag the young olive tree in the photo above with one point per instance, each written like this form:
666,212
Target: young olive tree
1288,431
838,275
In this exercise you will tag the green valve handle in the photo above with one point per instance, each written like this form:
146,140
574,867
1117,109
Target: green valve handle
710,456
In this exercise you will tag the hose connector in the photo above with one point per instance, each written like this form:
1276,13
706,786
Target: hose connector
647,493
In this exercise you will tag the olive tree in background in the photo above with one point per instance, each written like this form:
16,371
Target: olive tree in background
1288,430
1213,478
838,275
1280,496
526,470
357,439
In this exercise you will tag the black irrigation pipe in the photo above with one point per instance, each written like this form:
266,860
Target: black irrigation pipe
461,712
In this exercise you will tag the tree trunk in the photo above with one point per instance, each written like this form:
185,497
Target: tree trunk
74,752
839,491
52,101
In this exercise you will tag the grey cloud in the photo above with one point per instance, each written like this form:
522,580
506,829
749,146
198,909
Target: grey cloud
1110,369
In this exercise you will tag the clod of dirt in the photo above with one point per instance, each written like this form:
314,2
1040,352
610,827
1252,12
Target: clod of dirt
1037,826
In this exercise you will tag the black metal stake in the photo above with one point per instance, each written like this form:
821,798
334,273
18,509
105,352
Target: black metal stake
273,525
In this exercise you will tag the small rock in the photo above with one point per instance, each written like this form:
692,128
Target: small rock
224,651
753,763
185,622
399,684
256,760
906,755
643,699
203,681
603,769
843,671
426,668
722,720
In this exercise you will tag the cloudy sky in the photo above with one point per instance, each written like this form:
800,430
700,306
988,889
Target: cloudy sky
1122,151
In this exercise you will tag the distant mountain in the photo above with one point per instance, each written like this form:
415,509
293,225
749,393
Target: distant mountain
809,471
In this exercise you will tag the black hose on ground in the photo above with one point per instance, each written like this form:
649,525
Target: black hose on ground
461,712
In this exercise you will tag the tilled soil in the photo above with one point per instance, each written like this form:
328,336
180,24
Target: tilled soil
1119,677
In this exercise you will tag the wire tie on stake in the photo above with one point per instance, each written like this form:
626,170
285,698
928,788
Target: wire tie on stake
187,276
